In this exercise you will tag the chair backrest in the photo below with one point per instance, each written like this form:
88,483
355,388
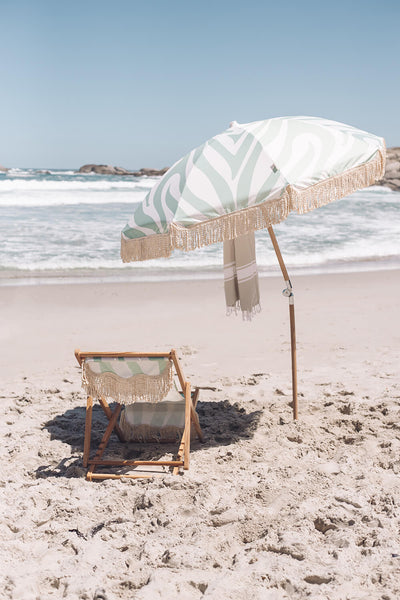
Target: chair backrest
127,379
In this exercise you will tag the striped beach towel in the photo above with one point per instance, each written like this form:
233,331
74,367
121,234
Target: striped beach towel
241,276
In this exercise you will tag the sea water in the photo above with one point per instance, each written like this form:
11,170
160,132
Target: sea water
60,223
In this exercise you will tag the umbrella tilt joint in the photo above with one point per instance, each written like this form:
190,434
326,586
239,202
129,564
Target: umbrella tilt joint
288,291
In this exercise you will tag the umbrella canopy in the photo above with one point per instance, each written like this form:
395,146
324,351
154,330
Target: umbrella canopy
250,177
247,178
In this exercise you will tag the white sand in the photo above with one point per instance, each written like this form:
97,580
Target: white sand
270,509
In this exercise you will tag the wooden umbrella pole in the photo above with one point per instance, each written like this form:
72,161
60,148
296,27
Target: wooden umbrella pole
289,293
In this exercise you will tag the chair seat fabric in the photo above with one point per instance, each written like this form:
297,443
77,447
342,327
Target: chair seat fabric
159,422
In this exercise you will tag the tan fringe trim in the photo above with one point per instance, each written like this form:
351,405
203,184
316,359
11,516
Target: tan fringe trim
226,227
337,187
149,433
253,218
157,245
230,226
138,388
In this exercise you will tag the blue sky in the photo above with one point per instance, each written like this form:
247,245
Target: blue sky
139,84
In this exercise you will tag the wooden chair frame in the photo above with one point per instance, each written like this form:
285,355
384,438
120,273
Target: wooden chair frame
183,454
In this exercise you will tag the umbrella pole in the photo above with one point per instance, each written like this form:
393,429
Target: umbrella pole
289,293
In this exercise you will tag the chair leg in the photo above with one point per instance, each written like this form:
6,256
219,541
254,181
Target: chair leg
194,415
105,440
195,396
175,470
107,411
188,405
195,421
88,430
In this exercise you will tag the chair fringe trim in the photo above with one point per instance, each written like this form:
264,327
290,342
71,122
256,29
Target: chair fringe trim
253,218
138,388
149,433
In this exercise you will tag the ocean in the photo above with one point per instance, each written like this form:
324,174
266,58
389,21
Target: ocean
59,224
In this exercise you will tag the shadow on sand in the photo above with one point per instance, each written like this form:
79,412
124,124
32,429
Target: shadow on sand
222,424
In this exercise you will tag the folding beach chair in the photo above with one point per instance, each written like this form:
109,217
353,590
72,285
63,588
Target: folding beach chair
155,411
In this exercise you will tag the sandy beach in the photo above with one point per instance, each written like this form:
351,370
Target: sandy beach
270,508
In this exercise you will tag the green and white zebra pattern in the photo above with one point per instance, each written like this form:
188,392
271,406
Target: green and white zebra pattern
269,164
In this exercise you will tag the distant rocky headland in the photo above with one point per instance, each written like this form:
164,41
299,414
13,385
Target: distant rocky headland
109,170
391,178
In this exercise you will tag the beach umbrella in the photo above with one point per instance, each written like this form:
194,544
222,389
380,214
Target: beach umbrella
250,177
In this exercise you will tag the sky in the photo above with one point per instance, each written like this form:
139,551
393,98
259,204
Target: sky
139,84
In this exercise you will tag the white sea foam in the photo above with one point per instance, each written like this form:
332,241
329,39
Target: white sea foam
62,173
35,185
68,222
64,189
43,199
18,173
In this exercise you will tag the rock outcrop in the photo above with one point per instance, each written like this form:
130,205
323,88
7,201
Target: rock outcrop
110,170
104,170
391,178
150,172
3,169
